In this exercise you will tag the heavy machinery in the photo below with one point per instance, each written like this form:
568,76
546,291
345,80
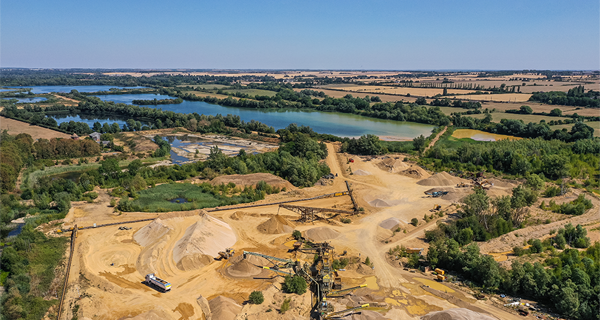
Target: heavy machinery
436,207
153,280
436,194
345,291
463,185
228,253
440,278
414,250
483,184
343,313
323,279
439,271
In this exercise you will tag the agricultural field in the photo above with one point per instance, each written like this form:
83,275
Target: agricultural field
36,132
204,86
497,116
593,124
503,97
419,92
383,97
254,92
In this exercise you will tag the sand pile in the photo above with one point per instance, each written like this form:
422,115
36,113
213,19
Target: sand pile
242,180
379,203
440,179
456,314
393,165
415,172
223,308
201,242
151,232
242,268
367,315
391,223
364,269
238,215
321,234
361,172
276,224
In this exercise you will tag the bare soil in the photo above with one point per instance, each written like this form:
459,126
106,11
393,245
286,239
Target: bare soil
16,127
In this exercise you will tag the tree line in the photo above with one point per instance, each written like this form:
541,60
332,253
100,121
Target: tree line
574,97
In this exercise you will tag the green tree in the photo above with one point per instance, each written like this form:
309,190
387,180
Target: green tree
556,112
134,166
526,110
414,221
465,236
110,167
419,143
295,284
555,166
256,297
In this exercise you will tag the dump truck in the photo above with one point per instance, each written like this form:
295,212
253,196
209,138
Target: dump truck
439,271
155,281
228,253
414,250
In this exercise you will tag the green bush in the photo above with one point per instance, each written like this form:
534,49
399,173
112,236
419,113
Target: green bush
256,297
285,306
295,284
297,235
414,222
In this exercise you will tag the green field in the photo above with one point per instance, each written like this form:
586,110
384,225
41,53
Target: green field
205,86
497,116
254,92
593,124
158,199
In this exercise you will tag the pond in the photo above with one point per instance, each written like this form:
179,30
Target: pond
30,100
339,124
48,89
185,148
15,232
89,119
178,200
478,135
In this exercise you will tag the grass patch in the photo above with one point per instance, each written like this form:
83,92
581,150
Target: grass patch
43,259
158,199
36,175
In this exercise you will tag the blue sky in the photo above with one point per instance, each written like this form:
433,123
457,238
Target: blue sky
283,34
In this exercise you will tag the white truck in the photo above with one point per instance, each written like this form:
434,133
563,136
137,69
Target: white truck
163,285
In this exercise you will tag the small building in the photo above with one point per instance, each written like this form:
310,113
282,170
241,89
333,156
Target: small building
95,136
75,136
105,143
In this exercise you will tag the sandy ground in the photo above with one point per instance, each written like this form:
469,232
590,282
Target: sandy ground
16,127
107,273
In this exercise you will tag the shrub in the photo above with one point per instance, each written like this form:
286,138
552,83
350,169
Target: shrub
295,284
285,306
256,297
345,220
297,235
414,222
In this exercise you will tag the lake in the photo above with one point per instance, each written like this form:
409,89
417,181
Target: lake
30,100
48,89
339,124
89,119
